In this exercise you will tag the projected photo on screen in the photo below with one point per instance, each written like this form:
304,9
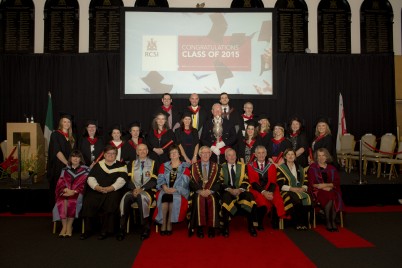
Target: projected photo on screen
208,51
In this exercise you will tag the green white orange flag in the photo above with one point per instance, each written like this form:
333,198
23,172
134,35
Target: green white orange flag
49,121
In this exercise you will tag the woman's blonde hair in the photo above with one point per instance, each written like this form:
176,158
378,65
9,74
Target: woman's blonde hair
327,131
69,131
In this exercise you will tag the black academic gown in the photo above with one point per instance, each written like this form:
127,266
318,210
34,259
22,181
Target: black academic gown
57,143
154,142
129,151
85,148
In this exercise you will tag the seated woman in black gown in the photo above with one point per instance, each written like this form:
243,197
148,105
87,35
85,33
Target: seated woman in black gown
102,196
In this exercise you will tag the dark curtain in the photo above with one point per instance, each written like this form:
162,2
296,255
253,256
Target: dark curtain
308,85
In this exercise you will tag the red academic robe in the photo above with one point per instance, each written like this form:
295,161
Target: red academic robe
265,180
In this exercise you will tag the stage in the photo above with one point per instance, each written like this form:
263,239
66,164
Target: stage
377,192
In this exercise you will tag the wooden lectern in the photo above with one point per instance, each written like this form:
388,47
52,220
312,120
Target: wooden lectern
32,143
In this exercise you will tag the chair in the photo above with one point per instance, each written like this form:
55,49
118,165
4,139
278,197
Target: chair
393,161
387,147
368,141
347,147
314,217
135,207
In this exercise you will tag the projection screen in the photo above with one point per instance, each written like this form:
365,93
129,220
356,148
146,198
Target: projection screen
206,51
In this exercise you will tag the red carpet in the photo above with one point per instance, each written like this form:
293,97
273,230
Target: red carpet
271,247
396,208
8,214
344,238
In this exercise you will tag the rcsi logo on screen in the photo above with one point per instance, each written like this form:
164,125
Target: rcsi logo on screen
159,53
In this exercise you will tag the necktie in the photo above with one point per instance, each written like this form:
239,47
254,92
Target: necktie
262,166
142,174
195,121
204,172
232,176
224,113
170,122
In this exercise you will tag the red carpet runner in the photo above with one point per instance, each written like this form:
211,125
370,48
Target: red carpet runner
344,238
270,248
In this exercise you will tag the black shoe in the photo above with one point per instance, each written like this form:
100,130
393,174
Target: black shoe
260,227
144,235
163,233
102,236
211,232
225,232
84,236
275,225
190,232
169,232
330,229
120,236
252,231
200,233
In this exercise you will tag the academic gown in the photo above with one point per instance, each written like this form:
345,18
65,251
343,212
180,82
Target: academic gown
143,178
228,135
297,142
286,177
322,197
57,143
265,180
202,116
246,151
85,148
73,179
154,142
187,141
180,197
96,202
244,199
129,151
205,211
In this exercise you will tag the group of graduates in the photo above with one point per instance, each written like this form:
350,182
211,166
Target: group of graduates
206,171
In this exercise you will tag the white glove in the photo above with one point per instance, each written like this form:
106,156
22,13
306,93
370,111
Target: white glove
220,144
215,150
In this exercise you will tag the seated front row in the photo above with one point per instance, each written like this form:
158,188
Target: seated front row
208,193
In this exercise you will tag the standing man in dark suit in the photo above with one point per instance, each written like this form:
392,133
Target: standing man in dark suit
229,112
220,143
174,117
198,113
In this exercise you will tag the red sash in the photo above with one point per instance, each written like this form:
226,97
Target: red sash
92,141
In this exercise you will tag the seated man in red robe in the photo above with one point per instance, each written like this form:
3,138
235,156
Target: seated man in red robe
262,177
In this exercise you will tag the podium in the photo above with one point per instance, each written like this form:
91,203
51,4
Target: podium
32,145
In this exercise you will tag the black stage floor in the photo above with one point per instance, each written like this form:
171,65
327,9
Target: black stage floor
356,190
